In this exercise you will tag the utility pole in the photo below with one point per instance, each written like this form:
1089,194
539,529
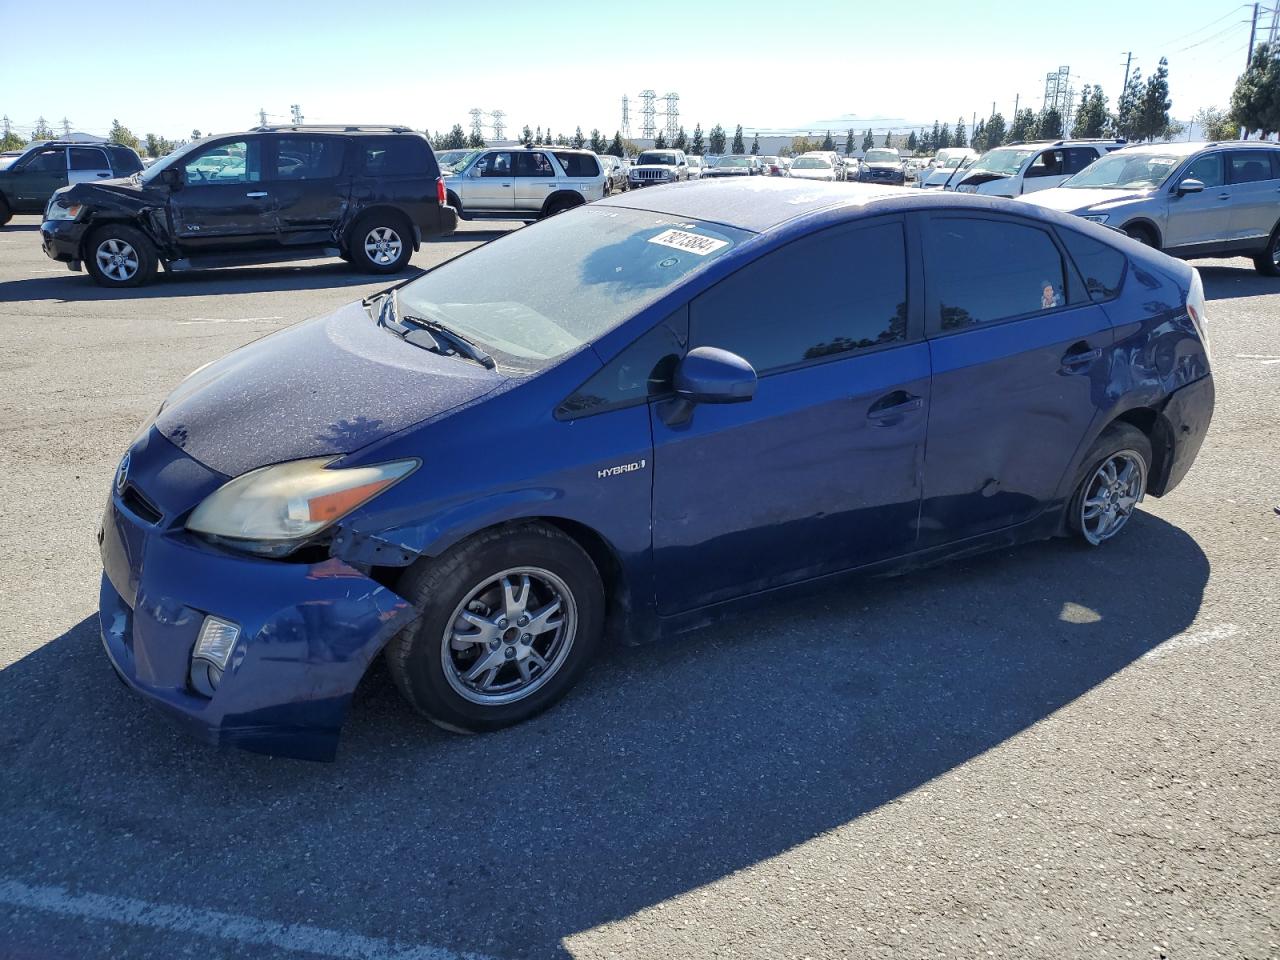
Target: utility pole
262,117
1017,98
1253,32
1271,34
1129,62
66,127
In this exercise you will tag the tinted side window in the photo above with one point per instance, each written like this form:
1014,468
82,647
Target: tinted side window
125,160
641,371
579,164
48,161
1101,266
239,162
1250,166
395,156
308,158
88,158
1048,164
533,163
841,290
981,271
1206,169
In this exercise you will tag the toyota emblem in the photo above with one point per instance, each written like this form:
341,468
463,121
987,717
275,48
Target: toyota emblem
122,474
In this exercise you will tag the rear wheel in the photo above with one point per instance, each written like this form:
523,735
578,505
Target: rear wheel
1113,484
1144,235
1268,262
561,203
118,255
380,243
5,213
509,620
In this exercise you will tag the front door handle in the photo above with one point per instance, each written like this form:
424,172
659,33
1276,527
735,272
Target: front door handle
1224,196
1077,357
104,175
894,404
256,194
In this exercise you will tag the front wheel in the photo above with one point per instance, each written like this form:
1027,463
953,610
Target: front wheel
1113,484
380,243
1268,262
118,255
509,619
1142,234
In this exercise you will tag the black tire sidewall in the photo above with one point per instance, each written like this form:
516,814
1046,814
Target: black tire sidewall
1265,263
1142,235
135,238
371,221
438,586
6,213
1117,437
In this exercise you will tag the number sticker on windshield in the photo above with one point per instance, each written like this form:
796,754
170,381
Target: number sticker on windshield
689,242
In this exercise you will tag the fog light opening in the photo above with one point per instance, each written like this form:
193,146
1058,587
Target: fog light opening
214,644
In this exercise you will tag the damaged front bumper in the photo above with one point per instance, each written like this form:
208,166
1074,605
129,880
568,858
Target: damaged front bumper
61,241
307,634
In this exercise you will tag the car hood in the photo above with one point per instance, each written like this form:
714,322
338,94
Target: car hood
118,192
325,386
729,171
1077,199
811,174
883,165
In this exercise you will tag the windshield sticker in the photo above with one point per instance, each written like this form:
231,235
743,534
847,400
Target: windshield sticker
688,242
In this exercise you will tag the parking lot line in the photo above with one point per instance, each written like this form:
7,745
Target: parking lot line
226,320
215,924
1192,638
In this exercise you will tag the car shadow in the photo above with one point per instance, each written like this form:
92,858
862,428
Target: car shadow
1226,282
671,766
78,287
19,228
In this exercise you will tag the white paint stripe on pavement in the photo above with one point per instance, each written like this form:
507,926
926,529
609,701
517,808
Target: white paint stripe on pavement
1192,638
226,320
217,925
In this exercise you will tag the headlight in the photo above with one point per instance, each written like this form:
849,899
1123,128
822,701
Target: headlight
1095,217
273,507
56,211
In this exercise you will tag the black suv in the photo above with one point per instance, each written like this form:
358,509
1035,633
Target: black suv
366,194
27,184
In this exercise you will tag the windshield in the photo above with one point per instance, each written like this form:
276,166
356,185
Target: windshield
1137,171
883,156
167,160
734,162
451,161
1002,162
666,159
609,264
810,163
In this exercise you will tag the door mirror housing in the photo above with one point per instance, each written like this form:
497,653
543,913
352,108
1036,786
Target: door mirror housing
171,177
707,375
1190,185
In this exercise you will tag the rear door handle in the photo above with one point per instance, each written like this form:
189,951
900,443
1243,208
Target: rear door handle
257,193
1078,358
894,404
1224,196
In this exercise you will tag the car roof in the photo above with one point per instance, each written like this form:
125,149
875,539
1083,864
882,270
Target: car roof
1184,148
764,204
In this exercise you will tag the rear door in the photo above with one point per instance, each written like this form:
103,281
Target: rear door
535,179
1019,356
1203,217
820,471
224,203
1254,183
36,180
86,164
310,186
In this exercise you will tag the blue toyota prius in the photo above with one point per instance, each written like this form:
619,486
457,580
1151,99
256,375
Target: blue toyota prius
624,421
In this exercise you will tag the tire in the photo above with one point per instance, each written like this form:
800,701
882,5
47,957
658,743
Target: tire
118,255
560,204
1144,235
5,213
380,242
452,200
460,592
1124,447
1266,263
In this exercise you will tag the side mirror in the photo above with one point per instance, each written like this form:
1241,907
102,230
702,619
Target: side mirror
1190,185
171,177
708,375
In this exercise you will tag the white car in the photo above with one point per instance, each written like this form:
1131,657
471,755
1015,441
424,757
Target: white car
696,167
937,177
1019,168
814,166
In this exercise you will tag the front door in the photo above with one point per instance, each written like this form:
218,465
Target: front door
490,185
820,471
1254,178
1047,170
36,180
87,164
309,187
1019,354
1203,217
224,203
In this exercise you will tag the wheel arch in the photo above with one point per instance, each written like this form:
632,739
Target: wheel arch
1150,422
382,209
1150,226
576,199
139,223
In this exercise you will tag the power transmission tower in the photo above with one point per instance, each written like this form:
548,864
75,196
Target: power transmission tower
672,115
477,123
297,114
626,117
262,117
66,127
648,115
8,125
499,124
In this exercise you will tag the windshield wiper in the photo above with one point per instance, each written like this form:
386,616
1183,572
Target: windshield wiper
453,339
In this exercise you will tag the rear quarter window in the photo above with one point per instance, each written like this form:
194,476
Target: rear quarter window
397,156
1101,266
125,161
579,164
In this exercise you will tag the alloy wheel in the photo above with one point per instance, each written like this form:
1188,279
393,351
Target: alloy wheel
510,635
1116,487
117,259
382,246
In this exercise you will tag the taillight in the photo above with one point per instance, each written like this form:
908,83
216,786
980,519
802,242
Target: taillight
440,194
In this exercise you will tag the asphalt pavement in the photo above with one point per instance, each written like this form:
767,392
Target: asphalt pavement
1041,752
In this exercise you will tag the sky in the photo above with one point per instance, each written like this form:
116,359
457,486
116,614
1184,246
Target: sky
174,67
